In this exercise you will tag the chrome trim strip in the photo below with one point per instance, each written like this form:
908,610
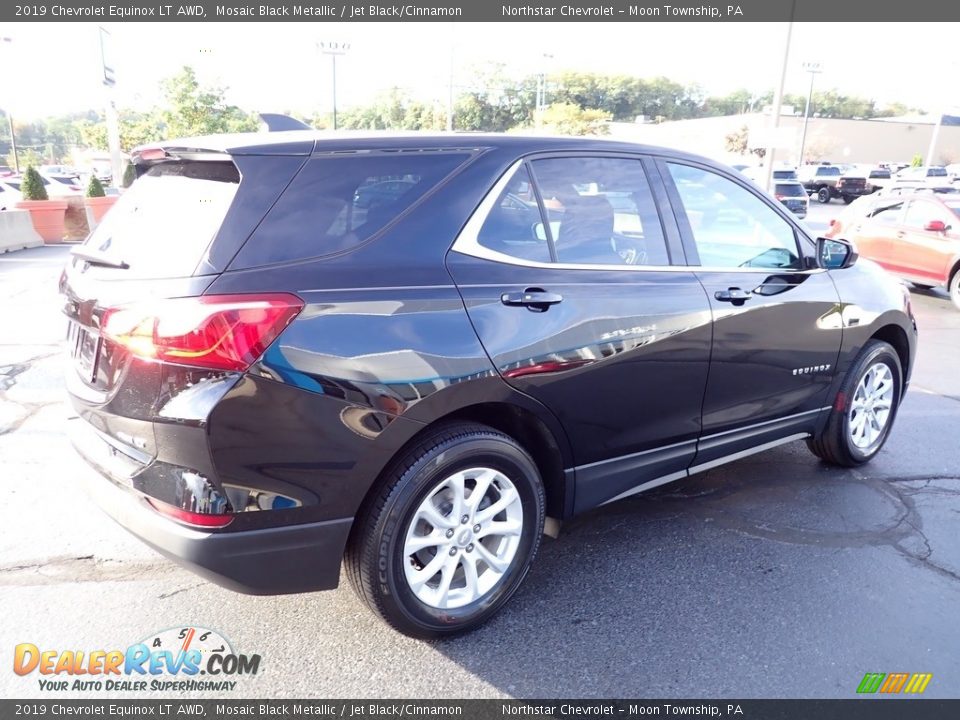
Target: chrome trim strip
649,485
765,422
681,474
745,453
620,458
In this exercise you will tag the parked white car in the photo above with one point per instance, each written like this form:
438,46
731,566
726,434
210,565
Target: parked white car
58,186
9,196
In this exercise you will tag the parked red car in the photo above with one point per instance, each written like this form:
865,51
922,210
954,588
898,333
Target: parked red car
916,237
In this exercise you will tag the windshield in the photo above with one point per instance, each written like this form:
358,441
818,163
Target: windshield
164,223
789,190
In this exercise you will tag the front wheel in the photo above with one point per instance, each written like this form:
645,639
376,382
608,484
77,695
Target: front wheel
451,534
823,195
954,289
865,408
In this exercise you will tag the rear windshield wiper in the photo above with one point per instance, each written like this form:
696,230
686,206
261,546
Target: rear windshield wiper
97,257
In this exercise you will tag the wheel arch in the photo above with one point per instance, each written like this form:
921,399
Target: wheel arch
512,413
896,336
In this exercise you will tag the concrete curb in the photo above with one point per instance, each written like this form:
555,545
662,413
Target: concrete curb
16,231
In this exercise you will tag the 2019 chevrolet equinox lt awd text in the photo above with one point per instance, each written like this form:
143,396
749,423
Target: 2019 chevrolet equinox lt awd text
407,353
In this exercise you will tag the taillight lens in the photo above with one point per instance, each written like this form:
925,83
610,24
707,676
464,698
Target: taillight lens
780,197
223,332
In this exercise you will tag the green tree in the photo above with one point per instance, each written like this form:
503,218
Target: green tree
736,141
193,109
26,156
570,119
917,161
95,188
32,186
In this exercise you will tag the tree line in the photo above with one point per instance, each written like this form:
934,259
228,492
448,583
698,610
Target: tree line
575,103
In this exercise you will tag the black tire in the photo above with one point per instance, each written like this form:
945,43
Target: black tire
375,554
954,288
834,444
847,199
823,195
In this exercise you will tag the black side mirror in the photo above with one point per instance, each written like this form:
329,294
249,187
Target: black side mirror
836,254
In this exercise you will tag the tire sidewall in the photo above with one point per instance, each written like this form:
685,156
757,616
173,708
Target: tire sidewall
493,452
954,289
882,352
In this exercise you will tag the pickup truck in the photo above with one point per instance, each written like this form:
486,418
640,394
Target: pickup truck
820,180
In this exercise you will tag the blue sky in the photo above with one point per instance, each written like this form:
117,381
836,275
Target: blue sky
275,66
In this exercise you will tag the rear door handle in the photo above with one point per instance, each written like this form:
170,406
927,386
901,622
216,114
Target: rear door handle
535,299
733,295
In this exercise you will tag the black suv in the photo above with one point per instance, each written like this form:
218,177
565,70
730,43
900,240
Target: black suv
412,353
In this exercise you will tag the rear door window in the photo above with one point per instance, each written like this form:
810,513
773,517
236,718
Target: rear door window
514,226
601,211
337,202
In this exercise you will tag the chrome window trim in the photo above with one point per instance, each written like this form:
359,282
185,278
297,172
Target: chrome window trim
467,242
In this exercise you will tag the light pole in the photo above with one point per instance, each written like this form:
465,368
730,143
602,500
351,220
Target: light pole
778,102
333,49
813,68
6,41
542,88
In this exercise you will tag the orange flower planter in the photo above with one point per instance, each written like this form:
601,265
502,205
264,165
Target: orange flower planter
47,217
99,206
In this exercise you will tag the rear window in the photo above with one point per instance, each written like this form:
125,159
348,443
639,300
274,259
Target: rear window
936,172
784,174
338,202
825,171
162,225
790,190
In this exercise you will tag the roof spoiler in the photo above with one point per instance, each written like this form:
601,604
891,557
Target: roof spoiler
276,122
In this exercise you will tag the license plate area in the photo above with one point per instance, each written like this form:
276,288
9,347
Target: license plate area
84,347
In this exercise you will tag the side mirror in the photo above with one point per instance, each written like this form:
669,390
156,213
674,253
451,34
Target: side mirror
935,226
834,254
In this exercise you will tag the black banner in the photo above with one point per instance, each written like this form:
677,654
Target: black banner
473,11
857,709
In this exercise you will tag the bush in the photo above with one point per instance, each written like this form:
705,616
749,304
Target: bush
129,175
95,188
32,186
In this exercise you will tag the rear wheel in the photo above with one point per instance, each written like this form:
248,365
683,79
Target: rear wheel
847,199
823,195
451,534
866,407
954,288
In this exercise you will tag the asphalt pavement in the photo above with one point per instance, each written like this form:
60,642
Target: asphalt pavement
775,576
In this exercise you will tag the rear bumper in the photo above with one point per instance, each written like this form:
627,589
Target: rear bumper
266,561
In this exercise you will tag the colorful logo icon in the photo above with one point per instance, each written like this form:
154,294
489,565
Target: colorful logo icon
894,683
171,659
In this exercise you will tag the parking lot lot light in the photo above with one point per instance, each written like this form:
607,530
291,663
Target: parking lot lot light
813,68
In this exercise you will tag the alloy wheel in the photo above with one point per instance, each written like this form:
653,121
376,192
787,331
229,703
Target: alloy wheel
871,406
463,538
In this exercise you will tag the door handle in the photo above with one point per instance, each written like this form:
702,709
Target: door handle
733,295
534,299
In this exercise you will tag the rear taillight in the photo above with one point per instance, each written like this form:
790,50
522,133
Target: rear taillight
780,197
223,332
195,519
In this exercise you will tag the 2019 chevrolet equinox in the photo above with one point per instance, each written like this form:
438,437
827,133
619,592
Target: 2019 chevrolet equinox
406,353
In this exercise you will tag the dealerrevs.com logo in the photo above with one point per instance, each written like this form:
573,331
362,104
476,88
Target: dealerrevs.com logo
186,659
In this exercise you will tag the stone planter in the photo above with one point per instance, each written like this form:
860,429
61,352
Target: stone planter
98,206
47,217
